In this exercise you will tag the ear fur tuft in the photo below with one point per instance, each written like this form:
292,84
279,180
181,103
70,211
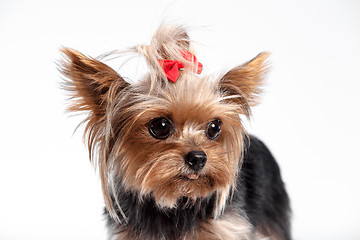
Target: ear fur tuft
241,85
88,80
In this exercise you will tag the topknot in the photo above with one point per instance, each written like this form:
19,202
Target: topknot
168,42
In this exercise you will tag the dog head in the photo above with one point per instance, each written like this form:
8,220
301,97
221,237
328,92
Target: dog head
159,138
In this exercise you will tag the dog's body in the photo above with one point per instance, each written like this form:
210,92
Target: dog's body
259,195
173,156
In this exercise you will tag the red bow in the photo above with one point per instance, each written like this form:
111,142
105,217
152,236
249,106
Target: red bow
172,67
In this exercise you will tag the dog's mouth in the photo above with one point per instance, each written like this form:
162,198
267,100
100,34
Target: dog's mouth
192,176
198,177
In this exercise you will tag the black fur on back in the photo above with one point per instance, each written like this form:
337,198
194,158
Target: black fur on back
267,204
259,195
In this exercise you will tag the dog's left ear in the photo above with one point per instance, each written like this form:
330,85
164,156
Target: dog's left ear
241,85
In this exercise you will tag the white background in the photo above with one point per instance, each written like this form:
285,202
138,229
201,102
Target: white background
309,116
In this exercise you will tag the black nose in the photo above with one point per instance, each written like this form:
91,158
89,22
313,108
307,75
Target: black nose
196,160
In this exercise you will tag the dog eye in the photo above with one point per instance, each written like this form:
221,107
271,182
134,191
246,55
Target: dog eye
213,129
161,128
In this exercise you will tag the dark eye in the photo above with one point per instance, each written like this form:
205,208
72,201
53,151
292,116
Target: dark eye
213,129
161,128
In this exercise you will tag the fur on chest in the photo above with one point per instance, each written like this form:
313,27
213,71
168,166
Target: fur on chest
228,227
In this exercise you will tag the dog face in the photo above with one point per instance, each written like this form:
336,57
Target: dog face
179,141
161,139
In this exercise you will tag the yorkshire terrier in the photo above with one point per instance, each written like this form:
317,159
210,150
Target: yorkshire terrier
174,158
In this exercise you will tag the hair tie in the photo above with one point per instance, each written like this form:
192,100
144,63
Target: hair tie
172,67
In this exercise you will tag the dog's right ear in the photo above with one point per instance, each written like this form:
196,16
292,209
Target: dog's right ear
88,81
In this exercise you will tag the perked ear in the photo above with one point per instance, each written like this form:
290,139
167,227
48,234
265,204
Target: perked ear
241,85
88,81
